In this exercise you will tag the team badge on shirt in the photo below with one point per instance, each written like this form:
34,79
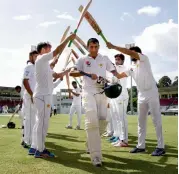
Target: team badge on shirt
88,63
100,65
48,105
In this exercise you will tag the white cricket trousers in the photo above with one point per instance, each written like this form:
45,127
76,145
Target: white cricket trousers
29,122
43,108
22,119
118,108
109,128
77,109
95,121
149,101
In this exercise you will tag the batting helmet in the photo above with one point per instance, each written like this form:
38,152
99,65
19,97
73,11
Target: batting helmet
113,91
11,125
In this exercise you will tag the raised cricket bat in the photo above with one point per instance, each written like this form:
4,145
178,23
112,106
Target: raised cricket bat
67,59
63,38
75,54
81,42
81,18
65,34
79,47
93,23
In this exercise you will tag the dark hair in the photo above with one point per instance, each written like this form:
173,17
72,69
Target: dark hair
136,49
33,52
73,83
93,40
43,45
28,61
17,87
121,56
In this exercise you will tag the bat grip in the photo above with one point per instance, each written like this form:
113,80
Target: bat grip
103,37
85,74
71,41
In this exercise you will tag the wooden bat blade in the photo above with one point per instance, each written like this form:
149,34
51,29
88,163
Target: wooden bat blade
68,57
75,54
79,47
81,41
65,34
91,20
83,13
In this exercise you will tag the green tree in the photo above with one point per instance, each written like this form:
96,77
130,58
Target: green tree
165,81
175,82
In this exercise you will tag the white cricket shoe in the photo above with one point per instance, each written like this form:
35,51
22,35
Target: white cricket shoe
97,162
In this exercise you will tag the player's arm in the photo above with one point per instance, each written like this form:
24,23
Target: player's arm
27,86
26,77
56,83
119,75
74,93
62,46
131,53
61,74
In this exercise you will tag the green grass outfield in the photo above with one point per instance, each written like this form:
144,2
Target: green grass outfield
69,147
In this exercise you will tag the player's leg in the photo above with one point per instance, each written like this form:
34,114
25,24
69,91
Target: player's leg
32,121
142,119
78,112
27,135
47,110
37,137
122,123
154,106
92,128
114,105
72,111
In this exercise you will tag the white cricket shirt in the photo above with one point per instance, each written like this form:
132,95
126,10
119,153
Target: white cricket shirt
77,99
43,75
122,82
142,74
97,66
29,74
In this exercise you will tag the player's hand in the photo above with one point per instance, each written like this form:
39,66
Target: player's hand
109,45
69,90
94,76
72,36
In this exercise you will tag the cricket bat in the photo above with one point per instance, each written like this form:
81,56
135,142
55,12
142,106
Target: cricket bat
75,54
93,23
81,41
79,47
81,18
63,38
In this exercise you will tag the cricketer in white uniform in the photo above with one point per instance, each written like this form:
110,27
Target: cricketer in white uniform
20,90
29,109
43,95
76,105
118,106
148,97
95,105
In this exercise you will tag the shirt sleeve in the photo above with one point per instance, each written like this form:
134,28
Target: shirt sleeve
46,57
109,66
128,71
55,84
142,57
79,64
27,72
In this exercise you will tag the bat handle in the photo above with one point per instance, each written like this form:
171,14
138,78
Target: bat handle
85,74
71,41
103,37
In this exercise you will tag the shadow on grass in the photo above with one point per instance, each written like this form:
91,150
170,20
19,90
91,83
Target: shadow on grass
63,137
77,159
